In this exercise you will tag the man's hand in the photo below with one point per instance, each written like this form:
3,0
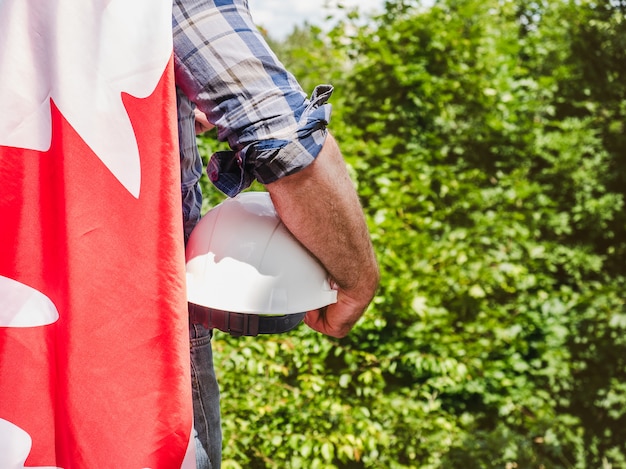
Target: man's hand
202,123
336,320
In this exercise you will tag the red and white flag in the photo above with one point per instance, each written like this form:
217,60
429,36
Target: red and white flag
94,356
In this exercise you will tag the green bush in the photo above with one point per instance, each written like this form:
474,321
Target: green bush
486,142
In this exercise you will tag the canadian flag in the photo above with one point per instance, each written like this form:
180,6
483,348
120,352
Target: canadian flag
94,354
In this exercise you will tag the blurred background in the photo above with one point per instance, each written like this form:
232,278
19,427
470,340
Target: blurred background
486,139
280,17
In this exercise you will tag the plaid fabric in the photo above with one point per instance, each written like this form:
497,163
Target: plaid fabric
190,163
223,64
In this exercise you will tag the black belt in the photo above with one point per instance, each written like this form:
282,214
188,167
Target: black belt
238,324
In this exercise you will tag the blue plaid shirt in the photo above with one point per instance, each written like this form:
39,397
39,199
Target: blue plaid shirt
224,66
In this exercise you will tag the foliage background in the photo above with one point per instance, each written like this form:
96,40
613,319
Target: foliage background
486,139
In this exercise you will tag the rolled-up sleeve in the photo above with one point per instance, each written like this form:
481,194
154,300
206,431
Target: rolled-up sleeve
223,64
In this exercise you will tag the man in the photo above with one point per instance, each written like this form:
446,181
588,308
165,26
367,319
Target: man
278,136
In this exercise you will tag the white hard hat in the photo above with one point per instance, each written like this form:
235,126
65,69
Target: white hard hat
241,258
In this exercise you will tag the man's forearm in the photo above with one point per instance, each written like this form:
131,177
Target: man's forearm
320,206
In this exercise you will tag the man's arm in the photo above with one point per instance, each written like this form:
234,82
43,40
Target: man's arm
320,206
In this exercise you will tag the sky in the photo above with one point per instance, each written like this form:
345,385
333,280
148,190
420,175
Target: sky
280,16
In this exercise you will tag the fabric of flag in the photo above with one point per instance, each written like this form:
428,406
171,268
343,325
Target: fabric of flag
94,351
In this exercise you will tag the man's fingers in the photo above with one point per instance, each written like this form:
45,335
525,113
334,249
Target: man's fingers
321,320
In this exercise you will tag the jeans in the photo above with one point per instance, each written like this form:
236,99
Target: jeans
206,400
